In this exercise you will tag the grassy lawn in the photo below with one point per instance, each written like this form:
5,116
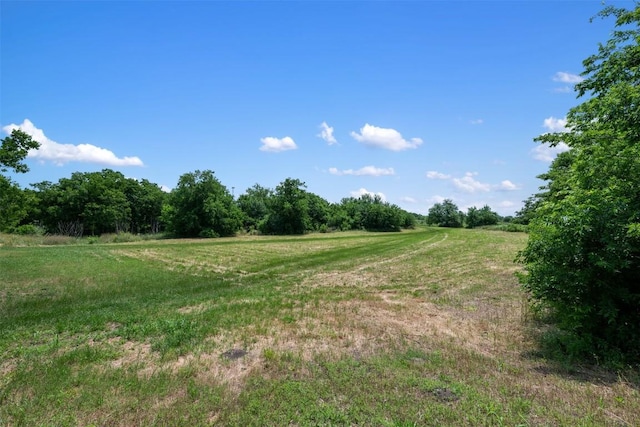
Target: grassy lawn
425,327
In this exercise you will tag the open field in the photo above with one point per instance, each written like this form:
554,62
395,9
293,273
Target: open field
424,327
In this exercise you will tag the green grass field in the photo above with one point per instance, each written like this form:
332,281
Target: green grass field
426,327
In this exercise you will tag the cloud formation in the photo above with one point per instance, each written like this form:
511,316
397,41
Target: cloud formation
546,153
555,125
437,175
326,133
469,185
565,77
361,192
389,139
507,185
408,199
60,154
365,171
476,121
276,145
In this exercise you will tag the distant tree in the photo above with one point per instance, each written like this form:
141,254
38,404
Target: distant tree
288,210
318,212
582,259
478,217
445,214
201,206
14,150
254,204
145,201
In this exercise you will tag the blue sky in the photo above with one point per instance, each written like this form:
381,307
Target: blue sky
414,100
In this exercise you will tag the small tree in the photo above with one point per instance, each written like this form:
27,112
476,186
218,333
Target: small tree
201,206
445,214
478,217
288,210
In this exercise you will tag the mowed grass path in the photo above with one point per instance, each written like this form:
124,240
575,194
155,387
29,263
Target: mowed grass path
425,327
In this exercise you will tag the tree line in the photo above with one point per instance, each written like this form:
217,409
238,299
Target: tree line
94,203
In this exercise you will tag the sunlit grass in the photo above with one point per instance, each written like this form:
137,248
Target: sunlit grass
427,327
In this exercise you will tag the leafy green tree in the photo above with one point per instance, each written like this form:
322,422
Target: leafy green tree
445,214
254,204
13,204
14,150
582,260
478,217
201,206
288,210
13,201
145,201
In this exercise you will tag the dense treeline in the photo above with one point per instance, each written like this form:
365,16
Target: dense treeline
95,203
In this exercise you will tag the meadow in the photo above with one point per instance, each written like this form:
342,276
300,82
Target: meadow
427,327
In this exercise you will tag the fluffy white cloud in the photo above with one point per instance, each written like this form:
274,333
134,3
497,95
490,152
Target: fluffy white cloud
468,184
365,171
507,185
477,122
553,124
389,139
546,153
61,154
564,77
437,175
275,145
363,191
326,133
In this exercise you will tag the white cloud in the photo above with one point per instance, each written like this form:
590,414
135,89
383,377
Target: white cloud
477,122
565,77
61,154
275,145
389,139
437,175
507,185
546,153
468,184
165,188
408,199
365,171
361,192
326,133
553,124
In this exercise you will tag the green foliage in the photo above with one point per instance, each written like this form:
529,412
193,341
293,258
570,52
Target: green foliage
478,217
14,150
13,204
200,206
288,209
583,257
445,214
98,202
254,204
